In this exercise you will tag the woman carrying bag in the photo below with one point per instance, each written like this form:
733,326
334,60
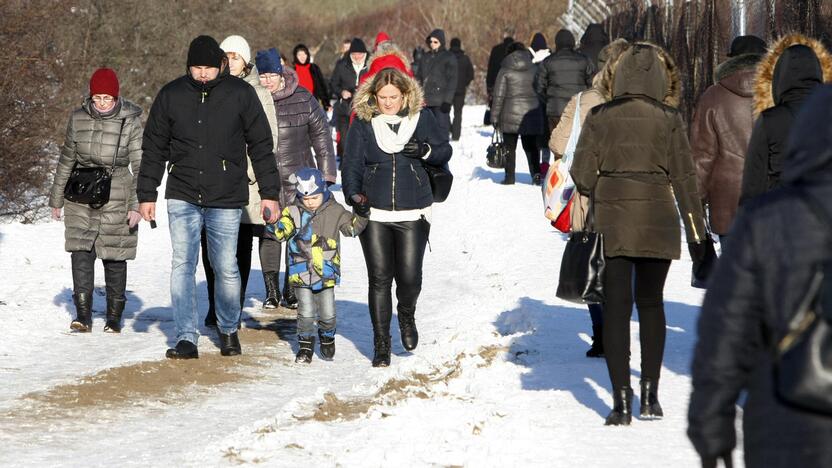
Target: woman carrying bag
105,132
634,157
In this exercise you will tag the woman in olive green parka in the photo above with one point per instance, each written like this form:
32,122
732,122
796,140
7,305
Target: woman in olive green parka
634,158
105,127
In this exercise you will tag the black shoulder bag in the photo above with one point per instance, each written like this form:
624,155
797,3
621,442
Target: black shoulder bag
582,267
441,179
91,185
803,361
495,155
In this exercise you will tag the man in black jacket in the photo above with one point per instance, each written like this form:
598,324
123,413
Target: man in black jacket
465,74
495,60
202,125
437,73
343,84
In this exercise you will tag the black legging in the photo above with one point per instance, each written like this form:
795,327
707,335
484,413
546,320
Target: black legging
650,275
393,251
529,146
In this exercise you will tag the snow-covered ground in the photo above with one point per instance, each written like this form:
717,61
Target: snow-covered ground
499,378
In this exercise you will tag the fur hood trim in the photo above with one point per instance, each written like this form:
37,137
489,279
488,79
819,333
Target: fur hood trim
735,64
763,93
389,49
366,108
673,93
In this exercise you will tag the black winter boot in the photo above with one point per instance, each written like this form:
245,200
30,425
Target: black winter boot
622,408
597,348
184,350
290,301
83,312
306,349
650,407
115,306
327,340
407,327
381,352
230,344
272,300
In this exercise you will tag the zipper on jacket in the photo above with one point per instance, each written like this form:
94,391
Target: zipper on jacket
223,165
204,93
416,174
693,226
170,169
393,156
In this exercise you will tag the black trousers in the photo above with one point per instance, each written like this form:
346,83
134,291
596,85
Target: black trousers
270,253
529,146
456,125
393,251
245,242
443,119
83,274
647,287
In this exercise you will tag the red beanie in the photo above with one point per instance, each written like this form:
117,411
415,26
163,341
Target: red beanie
381,37
104,81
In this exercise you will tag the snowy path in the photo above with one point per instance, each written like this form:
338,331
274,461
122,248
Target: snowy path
499,378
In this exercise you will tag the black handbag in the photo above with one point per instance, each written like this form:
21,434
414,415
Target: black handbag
441,179
803,361
582,266
91,185
486,117
701,270
495,156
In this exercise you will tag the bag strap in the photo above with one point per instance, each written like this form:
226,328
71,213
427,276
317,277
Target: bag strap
576,119
118,145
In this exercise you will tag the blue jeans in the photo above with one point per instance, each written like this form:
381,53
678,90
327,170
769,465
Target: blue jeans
314,305
221,228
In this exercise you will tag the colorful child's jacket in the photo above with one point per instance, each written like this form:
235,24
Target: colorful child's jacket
314,241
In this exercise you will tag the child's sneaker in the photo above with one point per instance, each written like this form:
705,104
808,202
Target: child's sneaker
307,346
327,338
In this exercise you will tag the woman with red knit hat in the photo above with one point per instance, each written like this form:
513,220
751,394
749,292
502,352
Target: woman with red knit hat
105,131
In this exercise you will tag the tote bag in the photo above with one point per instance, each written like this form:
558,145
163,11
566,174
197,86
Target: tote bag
558,187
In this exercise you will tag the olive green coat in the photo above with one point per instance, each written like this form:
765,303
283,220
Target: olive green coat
90,142
635,155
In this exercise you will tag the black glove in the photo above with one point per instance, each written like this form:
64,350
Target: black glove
445,107
415,149
360,205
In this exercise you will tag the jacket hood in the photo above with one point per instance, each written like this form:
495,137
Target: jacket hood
520,60
607,58
594,36
291,79
387,56
253,77
539,55
770,87
737,74
126,110
538,42
564,40
648,70
366,108
439,34
809,154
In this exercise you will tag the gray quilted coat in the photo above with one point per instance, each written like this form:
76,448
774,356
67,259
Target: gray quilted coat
91,141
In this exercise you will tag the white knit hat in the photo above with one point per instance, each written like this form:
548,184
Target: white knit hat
237,45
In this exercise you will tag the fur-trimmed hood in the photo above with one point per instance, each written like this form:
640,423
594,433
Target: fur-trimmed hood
388,55
365,108
638,64
607,58
765,94
735,64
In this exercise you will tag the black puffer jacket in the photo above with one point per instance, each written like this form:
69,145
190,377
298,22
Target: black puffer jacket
301,126
787,74
776,243
391,181
465,70
202,131
516,107
563,74
437,73
344,78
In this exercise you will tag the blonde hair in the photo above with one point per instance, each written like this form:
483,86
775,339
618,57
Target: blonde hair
395,77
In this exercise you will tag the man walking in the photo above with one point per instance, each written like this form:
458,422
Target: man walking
344,82
201,126
465,74
437,73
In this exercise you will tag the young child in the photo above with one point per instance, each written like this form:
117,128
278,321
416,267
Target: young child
312,225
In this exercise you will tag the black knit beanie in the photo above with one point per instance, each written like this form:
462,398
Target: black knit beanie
205,52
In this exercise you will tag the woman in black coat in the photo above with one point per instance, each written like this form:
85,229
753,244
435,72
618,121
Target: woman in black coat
387,145
517,110
777,243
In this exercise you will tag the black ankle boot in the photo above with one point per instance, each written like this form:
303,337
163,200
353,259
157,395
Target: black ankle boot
115,306
230,344
597,348
622,408
306,348
381,353
650,407
184,350
272,300
83,312
407,327
290,301
327,340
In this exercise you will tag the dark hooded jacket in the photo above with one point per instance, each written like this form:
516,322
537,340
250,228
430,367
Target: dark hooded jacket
593,40
201,132
788,74
563,74
634,155
321,89
301,126
776,244
465,70
437,73
719,135
495,61
516,106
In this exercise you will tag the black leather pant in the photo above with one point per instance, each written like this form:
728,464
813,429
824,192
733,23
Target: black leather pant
83,274
393,251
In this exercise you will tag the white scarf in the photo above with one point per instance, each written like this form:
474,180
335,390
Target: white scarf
389,141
